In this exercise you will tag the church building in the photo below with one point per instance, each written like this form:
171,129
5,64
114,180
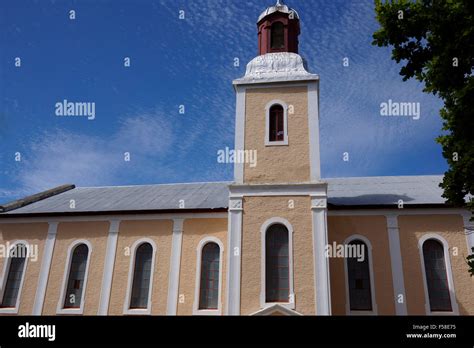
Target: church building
277,240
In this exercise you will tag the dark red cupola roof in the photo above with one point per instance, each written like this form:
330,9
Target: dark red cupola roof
278,29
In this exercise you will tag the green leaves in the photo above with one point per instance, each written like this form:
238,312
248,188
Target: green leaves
470,262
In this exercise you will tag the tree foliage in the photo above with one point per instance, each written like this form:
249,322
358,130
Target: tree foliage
434,42
470,262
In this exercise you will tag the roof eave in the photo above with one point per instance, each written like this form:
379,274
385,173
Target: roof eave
390,206
114,212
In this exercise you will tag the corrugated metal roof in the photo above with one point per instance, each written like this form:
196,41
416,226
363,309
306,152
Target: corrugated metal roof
214,195
211,195
383,190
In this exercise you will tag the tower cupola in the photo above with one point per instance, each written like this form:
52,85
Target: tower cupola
278,29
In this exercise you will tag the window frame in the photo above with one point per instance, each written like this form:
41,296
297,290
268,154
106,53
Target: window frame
202,243
126,306
449,273
277,49
267,123
60,309
365,240
6,270
263,232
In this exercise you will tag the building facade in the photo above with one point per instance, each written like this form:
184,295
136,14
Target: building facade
278,240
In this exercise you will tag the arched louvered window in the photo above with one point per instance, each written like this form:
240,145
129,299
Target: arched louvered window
76,277
141,276
277,264
359,282
277,36
276,127
15,270
436,276
209,281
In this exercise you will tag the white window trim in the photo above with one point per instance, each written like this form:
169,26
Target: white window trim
3,282
447,260
263,230
126,306
60,307
267,123
372,278
200,246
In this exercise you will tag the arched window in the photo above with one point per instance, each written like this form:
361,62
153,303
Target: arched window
359,282
277,264
276,127
277,36
209,282
13,276
436,276
76,277
141,276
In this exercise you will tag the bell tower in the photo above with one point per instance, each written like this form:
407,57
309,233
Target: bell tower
277,112
278,30
277,203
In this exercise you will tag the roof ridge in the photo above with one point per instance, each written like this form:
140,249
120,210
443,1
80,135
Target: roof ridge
19,203
166,184
383,177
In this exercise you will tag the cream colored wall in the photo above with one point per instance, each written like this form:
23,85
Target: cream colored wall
450,227
34,234
256,211
194,231
68,232
277,164
373,228
160,231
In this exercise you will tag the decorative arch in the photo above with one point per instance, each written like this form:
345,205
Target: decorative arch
277,36
268,109
368,244
263,231
61,308
449,274
7,308
202,243
133,255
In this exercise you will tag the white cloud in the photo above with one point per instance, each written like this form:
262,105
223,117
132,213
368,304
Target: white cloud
147,133
58,157
351,96
159,144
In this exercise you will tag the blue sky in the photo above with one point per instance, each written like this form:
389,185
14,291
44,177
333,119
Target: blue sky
187,62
